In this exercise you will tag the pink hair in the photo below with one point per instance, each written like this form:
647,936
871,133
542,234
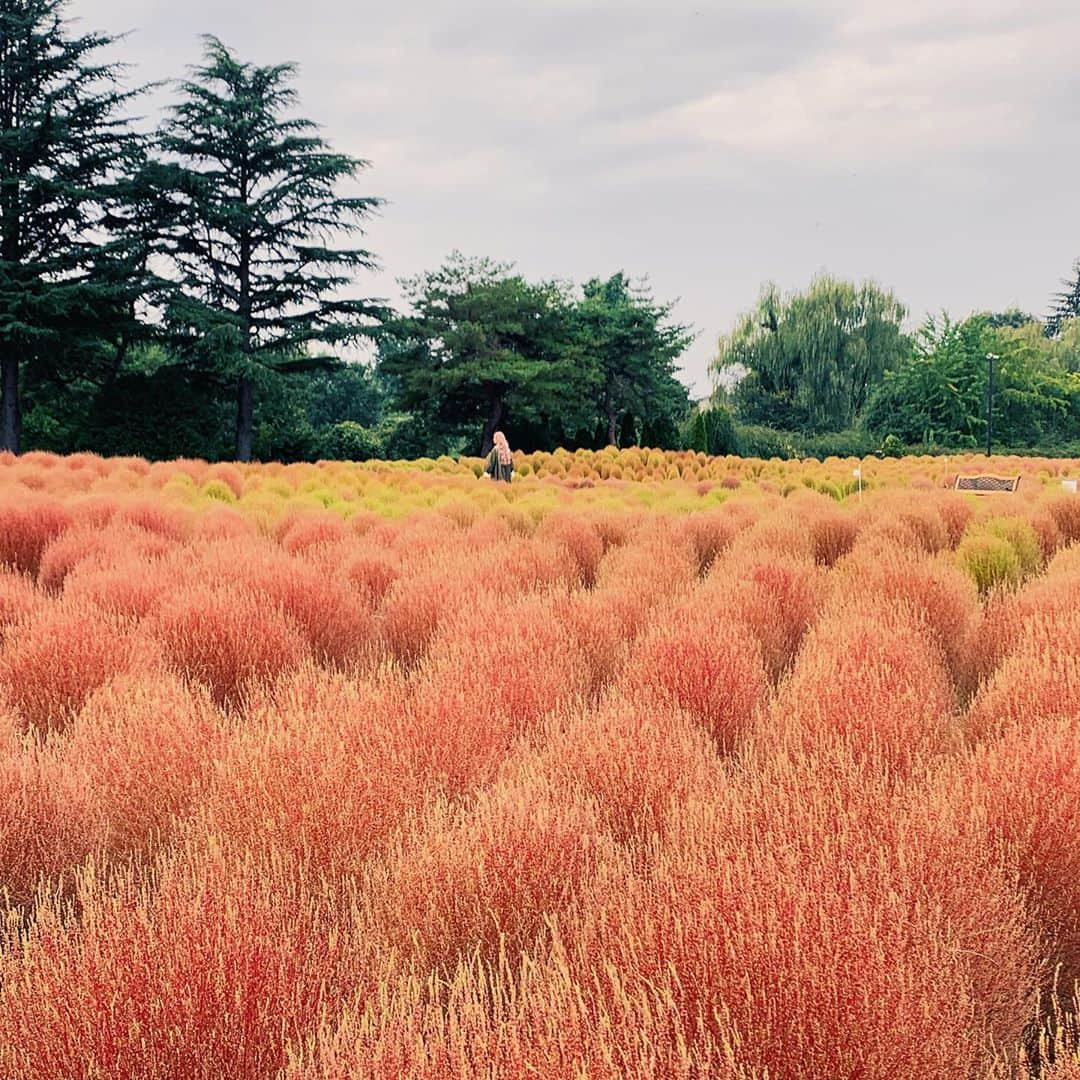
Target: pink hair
502,447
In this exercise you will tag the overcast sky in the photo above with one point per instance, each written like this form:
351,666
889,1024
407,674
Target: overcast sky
931,145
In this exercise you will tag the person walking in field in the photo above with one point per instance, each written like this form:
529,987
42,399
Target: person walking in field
500,462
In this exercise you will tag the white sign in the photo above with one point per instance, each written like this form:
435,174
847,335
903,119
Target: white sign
1069,485
857,473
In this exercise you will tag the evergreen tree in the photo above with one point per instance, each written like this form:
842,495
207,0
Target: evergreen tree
633,345
65,141
1066,304
481,346
253,212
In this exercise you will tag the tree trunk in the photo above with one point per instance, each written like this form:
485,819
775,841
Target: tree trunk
11,420
612,423
245,418
492,426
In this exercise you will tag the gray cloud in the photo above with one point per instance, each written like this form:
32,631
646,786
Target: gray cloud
710,145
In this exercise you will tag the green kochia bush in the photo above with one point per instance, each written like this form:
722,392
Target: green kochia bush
990,562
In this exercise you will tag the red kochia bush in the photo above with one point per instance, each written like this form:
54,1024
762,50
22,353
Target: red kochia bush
227,640
579,537
705,663
495,671
26,528
335,621
99,547
51,819
940,593
210,974
818,924
417,603
1040,681
143,743
322,771
18,599
1007,616
1065,510
639,761
1024,790
870,680
303,532
58,657
777,597
478,880
131,589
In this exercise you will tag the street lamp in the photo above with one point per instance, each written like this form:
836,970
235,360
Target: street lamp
990,358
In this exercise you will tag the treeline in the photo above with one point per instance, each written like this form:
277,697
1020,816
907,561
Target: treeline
831,371
188,291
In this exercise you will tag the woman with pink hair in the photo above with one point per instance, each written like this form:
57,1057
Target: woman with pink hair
500,462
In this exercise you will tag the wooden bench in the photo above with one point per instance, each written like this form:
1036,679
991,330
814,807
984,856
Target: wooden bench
987,485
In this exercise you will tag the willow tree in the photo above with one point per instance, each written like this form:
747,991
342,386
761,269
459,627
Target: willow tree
813,358
64,141
254,214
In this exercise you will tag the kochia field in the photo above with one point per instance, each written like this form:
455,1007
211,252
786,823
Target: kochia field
644,765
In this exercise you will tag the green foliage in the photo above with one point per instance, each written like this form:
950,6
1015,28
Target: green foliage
813,358
65,139
759,441
711,431
1066,304
990,561
482,348
1020,536
938,396
350,441
630,343
166,414
252,210
842,444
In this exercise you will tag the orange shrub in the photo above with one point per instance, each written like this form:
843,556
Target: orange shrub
227,640
871,681
320,771
18,600
51,820
1023,789
580,538
371,572
1065,510
817,924
890,577
481,880
777,597
26,529
62,654
311,530
211,974
335,622
704,663
143,743
638,760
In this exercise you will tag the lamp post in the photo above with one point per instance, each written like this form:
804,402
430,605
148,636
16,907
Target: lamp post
990,358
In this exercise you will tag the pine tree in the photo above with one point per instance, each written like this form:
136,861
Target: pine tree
254,210
1066,304
65,141
482,346
633,345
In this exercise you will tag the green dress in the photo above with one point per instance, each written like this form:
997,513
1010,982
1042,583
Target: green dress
496,469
